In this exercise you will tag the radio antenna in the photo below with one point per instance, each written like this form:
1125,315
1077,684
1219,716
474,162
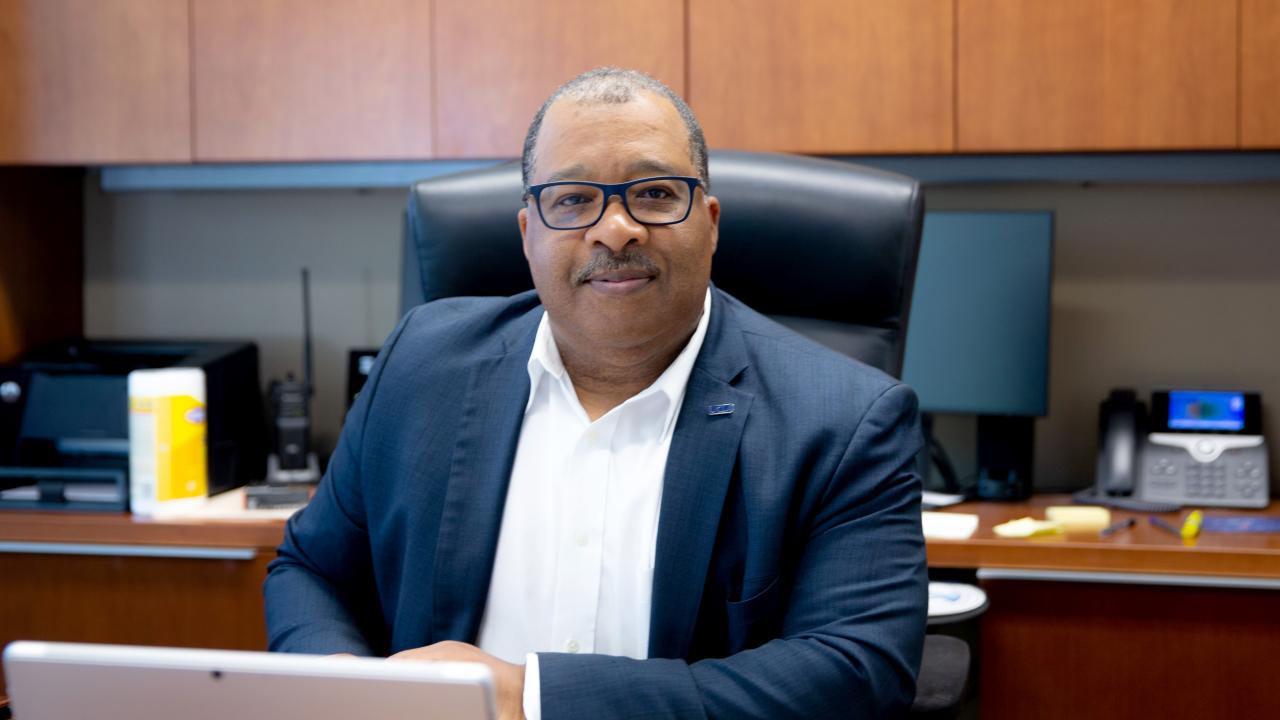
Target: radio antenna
306,333
293,461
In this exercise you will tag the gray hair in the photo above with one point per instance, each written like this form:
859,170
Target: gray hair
610,86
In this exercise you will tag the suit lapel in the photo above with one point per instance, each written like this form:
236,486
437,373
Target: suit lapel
699,468
489,430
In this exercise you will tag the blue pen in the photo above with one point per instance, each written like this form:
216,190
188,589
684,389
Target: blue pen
1117,527
1165,525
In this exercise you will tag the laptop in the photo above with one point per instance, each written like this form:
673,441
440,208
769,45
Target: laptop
57,681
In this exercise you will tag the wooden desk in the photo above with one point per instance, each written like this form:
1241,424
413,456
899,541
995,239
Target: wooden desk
117,579
1134,625
1120,642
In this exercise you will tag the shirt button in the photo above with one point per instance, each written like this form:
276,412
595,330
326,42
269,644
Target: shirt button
581,540
571,646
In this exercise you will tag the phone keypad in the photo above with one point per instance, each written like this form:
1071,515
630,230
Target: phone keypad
1217,480
1207,480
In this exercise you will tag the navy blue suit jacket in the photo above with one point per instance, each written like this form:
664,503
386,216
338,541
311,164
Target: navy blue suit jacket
790,572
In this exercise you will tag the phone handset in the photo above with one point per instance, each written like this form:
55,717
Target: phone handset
1121,434
1120,430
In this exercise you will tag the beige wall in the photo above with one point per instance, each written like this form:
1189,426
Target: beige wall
1156,285
225,264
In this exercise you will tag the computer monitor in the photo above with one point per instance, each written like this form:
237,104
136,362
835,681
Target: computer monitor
978,336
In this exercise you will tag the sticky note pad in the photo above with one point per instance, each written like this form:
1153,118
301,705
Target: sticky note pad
1026,527
1079,518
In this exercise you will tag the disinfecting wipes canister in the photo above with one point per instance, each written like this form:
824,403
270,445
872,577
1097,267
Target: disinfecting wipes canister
167,440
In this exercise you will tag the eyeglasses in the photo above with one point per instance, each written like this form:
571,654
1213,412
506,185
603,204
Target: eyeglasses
578,204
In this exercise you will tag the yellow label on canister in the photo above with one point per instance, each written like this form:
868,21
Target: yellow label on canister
180,448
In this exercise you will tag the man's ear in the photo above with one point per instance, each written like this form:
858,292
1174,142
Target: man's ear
522,218
713,214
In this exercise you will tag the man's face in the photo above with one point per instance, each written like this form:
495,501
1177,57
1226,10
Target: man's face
654,287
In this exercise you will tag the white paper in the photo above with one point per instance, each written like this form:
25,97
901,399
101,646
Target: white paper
948,525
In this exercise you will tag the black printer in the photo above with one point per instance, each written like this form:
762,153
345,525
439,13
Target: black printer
64,419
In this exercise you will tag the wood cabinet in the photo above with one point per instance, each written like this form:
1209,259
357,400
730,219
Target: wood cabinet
1136,624
1061,650
301,80
828,76
153,81
169,602
496,61
1260,74
1071,75
113,578
94,82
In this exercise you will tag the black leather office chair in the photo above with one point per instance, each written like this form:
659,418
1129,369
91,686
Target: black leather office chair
827,248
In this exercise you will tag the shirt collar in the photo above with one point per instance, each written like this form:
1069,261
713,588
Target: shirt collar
544,362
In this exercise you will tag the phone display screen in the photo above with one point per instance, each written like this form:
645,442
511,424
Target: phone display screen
359,364
1206,410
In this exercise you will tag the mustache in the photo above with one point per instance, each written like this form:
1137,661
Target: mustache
606,261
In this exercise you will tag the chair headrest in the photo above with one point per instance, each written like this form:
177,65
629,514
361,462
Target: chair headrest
828,247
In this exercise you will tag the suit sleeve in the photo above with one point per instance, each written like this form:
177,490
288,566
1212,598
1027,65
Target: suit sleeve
853,628
320,592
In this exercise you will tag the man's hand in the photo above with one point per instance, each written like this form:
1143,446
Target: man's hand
508,678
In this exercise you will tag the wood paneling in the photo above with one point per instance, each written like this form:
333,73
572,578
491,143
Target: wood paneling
1260,74
1073,75
1062,651
497,61
41,257
94,82
308,80
134,600
829,76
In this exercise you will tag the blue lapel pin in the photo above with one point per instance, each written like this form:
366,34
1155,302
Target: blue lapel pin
723,409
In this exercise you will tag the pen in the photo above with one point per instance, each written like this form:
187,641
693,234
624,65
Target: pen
1117,527
1164,525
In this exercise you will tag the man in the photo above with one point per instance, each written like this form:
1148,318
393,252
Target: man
627,494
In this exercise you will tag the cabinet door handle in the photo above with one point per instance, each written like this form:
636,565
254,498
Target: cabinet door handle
149,551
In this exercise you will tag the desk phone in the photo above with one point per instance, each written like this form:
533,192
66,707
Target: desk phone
1196,447
1205,448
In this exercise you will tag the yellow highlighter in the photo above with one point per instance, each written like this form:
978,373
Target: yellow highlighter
1191,526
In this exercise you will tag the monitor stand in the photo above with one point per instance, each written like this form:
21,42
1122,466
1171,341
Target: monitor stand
934,455
1006,448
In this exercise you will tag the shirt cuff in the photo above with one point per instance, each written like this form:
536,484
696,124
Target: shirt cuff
532,700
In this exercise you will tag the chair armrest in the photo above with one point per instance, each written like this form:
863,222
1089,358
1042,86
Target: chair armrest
943,678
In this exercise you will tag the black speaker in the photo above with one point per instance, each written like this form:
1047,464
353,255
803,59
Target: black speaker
1006,452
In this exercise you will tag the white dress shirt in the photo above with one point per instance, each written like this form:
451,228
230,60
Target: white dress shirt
573,571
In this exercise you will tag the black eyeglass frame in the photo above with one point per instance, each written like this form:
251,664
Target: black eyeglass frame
619,189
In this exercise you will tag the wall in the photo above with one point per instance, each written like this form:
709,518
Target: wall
1156,285
225,264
